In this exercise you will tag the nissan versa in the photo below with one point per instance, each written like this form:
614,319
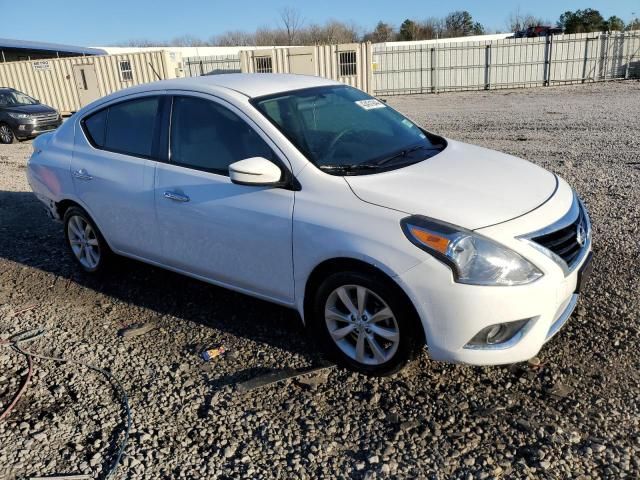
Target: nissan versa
314,195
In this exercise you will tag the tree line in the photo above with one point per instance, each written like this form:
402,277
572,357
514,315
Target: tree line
292,29
590,20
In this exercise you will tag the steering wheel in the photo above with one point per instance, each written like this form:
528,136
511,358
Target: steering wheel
337,139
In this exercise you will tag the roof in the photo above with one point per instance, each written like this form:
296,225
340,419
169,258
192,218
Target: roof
251,84
225,85
50,47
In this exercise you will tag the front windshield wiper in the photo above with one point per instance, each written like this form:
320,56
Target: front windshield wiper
348,168
403,153
380,164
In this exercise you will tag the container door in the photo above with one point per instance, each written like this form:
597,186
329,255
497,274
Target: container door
301,63
86,83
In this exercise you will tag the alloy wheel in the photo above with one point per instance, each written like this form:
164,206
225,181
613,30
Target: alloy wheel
362,325
84,242
6,135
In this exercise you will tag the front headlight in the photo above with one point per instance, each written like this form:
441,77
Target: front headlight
474,259
20,116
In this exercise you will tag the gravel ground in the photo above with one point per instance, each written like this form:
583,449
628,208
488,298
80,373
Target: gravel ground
575,415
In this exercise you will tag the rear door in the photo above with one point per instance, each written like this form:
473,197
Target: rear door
236,235
113,172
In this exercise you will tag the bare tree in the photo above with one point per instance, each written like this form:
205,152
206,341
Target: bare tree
312,35
292,22
187,41
143,42
340,32
518,21
233,38
334,31
266,36
431,28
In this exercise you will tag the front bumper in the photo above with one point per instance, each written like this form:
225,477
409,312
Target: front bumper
28,130
453,313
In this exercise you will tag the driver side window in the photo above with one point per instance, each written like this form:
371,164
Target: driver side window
207,136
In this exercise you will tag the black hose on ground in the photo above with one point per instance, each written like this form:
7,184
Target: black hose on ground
30,335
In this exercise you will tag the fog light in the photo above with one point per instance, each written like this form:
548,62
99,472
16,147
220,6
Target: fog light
22,127
495,333
500,335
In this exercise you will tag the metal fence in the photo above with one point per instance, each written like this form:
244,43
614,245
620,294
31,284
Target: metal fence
509,63
70,83
212,65
349,63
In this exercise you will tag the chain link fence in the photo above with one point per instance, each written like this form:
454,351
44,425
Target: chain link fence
510,63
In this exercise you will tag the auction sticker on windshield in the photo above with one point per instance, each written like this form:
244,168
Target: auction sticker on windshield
370,104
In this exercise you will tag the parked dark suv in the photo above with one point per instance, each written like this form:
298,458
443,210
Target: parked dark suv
538,31
23,117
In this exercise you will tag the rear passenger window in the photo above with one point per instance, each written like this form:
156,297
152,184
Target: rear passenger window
131,126
95,126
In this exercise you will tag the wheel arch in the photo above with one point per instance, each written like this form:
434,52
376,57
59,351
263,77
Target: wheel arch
63,205
342,264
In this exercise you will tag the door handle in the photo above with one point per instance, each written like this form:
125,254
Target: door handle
176,197
82,175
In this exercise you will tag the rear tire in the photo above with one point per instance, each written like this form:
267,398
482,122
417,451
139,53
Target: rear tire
87,245
365,323
6,134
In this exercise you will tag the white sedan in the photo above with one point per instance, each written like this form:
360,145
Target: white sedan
314,195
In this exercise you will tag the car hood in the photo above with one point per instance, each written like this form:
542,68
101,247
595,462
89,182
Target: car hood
465,185
31,109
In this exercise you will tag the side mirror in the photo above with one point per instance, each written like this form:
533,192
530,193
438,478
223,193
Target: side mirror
255,171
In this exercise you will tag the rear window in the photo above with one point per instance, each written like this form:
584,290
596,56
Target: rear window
126,127
96,126
130,126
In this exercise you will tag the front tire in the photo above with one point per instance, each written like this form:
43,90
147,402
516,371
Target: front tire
6,134
365,323
86,244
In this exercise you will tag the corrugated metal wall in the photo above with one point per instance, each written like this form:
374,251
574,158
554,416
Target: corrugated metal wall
393,70
55,85
324,58
509,63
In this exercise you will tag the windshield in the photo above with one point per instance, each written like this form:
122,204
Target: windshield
344,130
13,98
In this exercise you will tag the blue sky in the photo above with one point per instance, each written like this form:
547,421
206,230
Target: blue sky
91,22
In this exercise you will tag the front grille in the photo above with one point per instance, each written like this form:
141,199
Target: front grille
567,242
45,117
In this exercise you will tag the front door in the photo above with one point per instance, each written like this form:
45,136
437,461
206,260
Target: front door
235,235
86,83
